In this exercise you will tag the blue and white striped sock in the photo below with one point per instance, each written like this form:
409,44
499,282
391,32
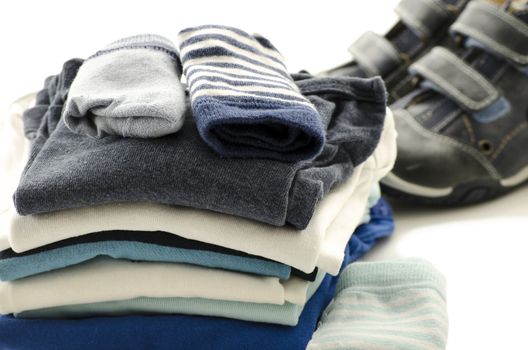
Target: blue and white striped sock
243,99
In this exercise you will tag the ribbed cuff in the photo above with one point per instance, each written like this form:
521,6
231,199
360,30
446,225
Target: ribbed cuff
148,41
386,276
143,40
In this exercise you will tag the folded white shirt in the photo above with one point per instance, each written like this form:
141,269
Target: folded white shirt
321,244
14,151
105,279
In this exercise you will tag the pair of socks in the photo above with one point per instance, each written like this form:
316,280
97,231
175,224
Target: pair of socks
244,101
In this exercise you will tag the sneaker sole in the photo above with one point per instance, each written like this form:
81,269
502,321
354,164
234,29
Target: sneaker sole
467,193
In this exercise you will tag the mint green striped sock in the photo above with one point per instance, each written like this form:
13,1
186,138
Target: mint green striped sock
396,305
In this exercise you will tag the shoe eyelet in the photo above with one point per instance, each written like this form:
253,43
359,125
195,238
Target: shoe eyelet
415,81
406,59
453,9
485,146
458,40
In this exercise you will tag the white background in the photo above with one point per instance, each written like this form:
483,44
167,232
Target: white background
482,250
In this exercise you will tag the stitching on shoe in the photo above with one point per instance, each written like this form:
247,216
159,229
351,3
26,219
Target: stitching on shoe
499,73
436,6
372,70
517,24
405,15
469,128
388,48
399,85
508,138
466,149
429,111
504,17
521,59
380,43
470,72
454,91
450,117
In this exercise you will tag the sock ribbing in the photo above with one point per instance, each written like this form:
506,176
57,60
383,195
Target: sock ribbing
147,41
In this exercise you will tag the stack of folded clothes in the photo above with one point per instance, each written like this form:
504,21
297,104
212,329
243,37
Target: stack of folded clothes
212,214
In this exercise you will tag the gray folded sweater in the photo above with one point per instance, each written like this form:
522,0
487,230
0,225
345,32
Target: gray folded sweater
131,88
69,170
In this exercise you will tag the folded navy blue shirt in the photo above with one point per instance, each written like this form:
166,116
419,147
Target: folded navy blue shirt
189,332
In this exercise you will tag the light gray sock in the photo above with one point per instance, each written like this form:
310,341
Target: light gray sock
131,88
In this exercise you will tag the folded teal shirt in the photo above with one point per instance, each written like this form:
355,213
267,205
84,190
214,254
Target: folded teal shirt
28,265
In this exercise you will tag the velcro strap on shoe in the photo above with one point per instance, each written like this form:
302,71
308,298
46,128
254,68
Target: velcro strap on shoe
375,54
453,77
496,29
423,16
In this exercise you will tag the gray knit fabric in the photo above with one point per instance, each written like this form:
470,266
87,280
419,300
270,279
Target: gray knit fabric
68,170
131,88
